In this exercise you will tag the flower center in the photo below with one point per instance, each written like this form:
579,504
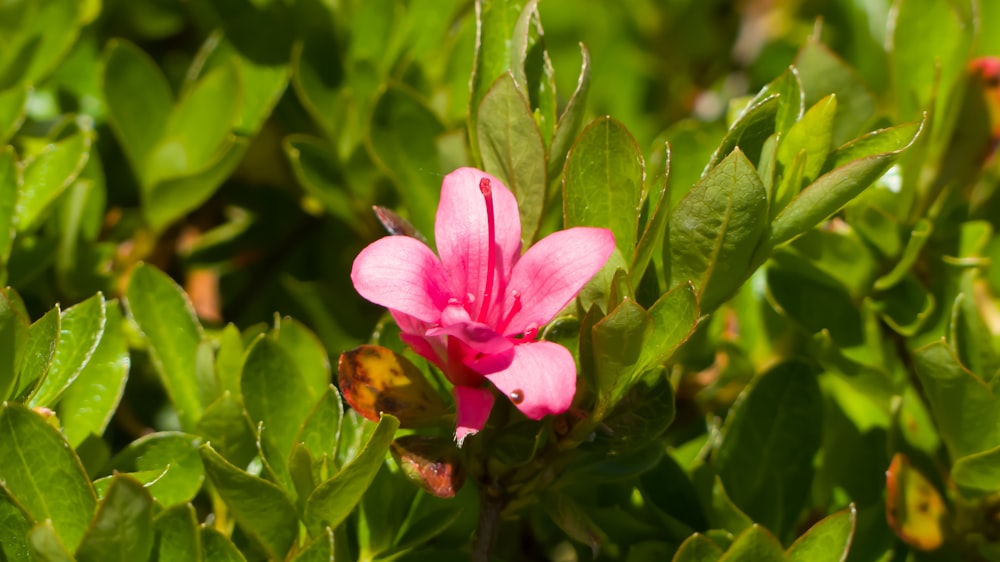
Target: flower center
487,190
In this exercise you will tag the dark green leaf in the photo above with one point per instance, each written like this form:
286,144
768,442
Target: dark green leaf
334,499
617,346
675,316
319,550
41,472
766,454
165,316
88,404
122,528
274,528
749,132
602,183
315,168
715,229
81,329
512,148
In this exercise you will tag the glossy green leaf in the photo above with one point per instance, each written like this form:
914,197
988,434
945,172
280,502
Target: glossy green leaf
756,543
964,407
715,229
89,403
698,548
602,182
823,73
40,471
334,499
43,340
274,393
814,135
769,439
16,345
122,528
226,426
166,318
792,102
138,99
829,540
177,534
512,148
217,548
617,347
855,167
571,118
50,172
81,329
495,23
12,108
675,316
404,133
274,528
157,451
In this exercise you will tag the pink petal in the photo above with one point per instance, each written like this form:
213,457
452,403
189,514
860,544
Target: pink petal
455,321
461,232
541,379
553,271
472,406
403,275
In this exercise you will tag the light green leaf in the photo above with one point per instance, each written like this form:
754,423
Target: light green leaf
814,135
748,133
138,100
675,316
602,183
307,353
16,347
854,167
698,548
37,36
81,328
964,407
765,458
177,534
321,429
617,347
14,528
122,528
50,172
715,229
226,426
756,544
10,185
88,404
40,471
274,528
43,340
166,318
334,499
13,103
829,540
46,545
651,242
512,148
571,118
157,451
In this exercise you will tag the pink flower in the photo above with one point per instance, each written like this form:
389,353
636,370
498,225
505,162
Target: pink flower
476,311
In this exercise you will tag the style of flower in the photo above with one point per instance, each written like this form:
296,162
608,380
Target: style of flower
475,311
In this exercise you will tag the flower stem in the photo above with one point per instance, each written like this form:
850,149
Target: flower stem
491,504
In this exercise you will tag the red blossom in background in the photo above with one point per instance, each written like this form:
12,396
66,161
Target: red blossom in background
475,310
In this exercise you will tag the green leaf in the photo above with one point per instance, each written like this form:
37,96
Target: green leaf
698,548
138,100
617,346
217,548
16,347
122,528
226,426
50,172
10,185
334,499
765,458
792,102
404,133
512,148
571,118
81,329
757,544
823,73
602,183
321,429
978,474
715,228
854,167
675,316
829,540
37,36
87,405
315,168
167,320
964,407
43,340
14,528
177,534
46,545
40,471
158,451
574,520
651,241
319,550
749,132
274,528
13,104
274,393
814,135
307,352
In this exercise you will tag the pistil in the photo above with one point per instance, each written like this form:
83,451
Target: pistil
487,191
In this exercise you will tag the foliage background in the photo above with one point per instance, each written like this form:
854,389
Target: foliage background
176,173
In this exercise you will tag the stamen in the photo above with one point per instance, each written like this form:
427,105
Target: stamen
514,309
487,190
